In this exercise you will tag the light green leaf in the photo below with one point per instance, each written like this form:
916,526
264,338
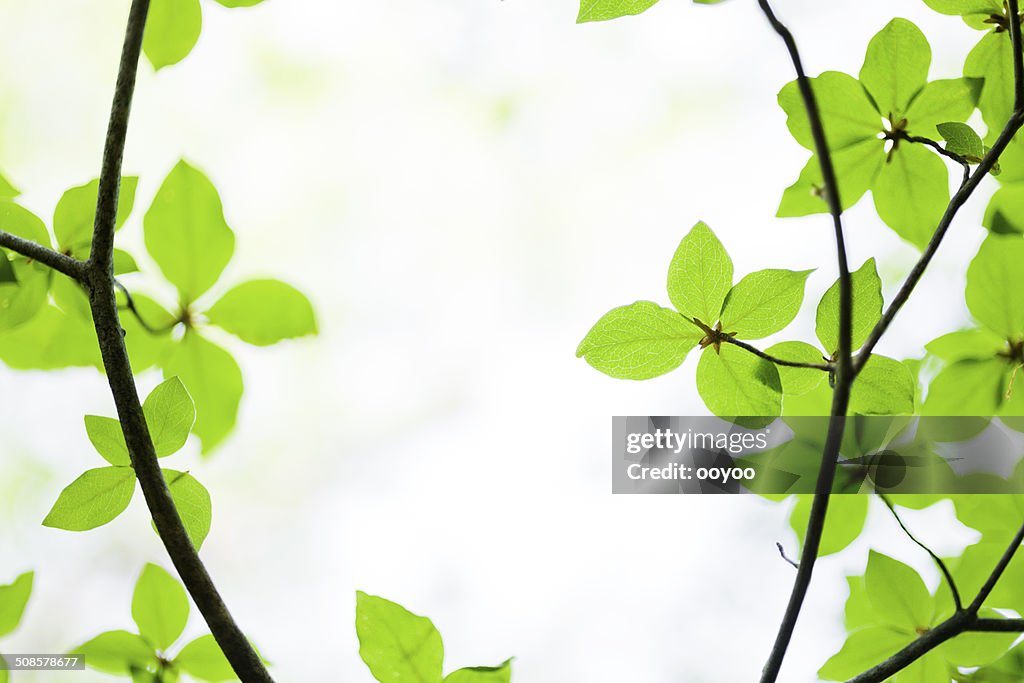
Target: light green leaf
911,193
927,669
867,308
13,599
186,233
961,139
482,674
977,649
48,341
239,3
7,274
846,516
146,348
639,341
172,30
108,439
264,312
992,60
397,645
848,115
4,675
92,500
76,211
884,387
203,659
170,415
602,10
968,387
19,221
700,275
22,300
952,99
737,384
978,344
863,649
7,191
70,297
124,263
856,167
763,303
798,381
897,593
858,612
159,607
965,7
995,285
193,503
117,652
215,382
896,66
1005,212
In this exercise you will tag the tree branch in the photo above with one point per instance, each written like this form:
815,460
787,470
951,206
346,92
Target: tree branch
941,150
997,573
845,374
131,307
67,265
826,367
103,302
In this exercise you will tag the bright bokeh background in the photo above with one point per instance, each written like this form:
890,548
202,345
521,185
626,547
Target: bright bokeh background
463,187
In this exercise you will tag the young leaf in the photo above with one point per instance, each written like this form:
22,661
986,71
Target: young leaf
845,521
117,652
186,233
848,114
700,275
798,381
482,674
172,30
76,210
951,99
995,285
897,593
639,341
965,7
107,438
170,415
736,383
856,168
912,192
992,60
193,503
92,500
13,599
884,387
264,312
961,139
896,66
203,659
867,308
602,10
214,381
764,302
396,644
159,607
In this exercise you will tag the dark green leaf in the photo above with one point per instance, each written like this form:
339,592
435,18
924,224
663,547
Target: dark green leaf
961,139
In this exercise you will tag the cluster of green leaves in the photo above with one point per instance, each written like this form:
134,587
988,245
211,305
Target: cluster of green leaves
602,10
13,600
173,28
160,610
46,323
101,494
399,646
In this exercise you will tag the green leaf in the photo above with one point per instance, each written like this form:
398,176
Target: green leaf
602,10
92,500
863,649
896,66
70,297
867,308
7,274
700,275
897,593
848,115
764,302
239,3
117,652
108,439
13,599
940,101
172,30
397,645
912,192
992,60
7,191
193,503
856,167
1005,212
961,139
19,221
76,211
170,415
846,516
124,263
203,659
737,384
858,612
965,7
978,649
482,674
214,381
967,387
264,312
797,381
48,341
146,348
884,387
977,344
159,607
186,233
639,341
995,285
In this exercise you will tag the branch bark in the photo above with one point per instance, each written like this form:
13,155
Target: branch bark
67,265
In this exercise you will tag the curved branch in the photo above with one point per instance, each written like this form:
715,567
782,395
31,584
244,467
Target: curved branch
941,150
130,306
67,265
103,303
825,367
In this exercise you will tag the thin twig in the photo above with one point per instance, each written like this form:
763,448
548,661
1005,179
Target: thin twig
965,165
131,307
782,553
773,359
997,573
938,560
103,302
67,265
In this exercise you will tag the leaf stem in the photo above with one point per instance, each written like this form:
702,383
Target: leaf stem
941,150
825,367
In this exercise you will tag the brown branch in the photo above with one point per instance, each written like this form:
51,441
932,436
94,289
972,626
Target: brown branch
825,367
67,265
966,165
